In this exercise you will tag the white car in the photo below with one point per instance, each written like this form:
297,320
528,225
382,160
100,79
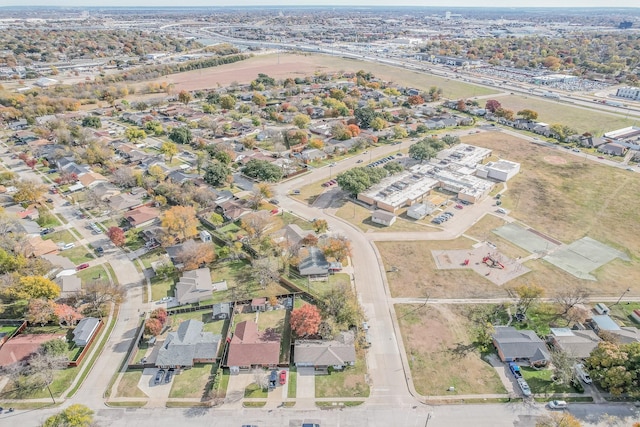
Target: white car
557,404
526,391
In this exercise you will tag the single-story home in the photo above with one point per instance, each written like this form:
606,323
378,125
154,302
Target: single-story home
251,348
314,264
142,216
338,353
520,346
194,286
20,347
36,246
576,343
188,345
85,330
383,217
603,323
613,148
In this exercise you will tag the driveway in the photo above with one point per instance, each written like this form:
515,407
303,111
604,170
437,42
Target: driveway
306,386
237,384
158,393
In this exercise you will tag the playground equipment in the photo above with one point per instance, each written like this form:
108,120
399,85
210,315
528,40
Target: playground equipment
492,262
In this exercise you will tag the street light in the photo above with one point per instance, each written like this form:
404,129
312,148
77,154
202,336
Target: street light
621,296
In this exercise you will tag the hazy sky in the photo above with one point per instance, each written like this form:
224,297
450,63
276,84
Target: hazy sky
439,3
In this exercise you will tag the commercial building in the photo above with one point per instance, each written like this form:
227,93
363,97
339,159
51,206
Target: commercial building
629,93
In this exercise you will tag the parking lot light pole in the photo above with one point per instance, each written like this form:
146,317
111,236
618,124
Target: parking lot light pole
426,423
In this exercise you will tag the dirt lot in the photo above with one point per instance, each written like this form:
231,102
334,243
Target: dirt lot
298,65
440,352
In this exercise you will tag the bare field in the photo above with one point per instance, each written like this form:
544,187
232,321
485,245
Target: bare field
440,351
417,275
582,119
298,65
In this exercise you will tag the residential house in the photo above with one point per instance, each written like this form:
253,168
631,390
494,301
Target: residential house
293,235
232,210
105,190
576,343
602,323
321,355
187,346
91,179
221,311
259,304
175,250
194,286
20,347
85,330
125,201
613,148
251,348
520,346
142,216
69,285
383,217
35,247
314,264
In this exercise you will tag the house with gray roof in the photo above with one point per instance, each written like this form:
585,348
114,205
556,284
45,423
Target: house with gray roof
319,354
221,311
315,264
383,217
194,286
515,345
576,343
85,330
604,323
69,285
187,346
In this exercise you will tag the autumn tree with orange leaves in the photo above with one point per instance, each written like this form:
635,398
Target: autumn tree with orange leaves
305,320
337,247
67,315
181,222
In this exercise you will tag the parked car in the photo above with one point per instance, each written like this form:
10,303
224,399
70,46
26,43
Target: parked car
283,377
515,370
502,211
46,231
582,373
459,207
296,191
68,246
600,157
82,266
159,376
360,161
100,251
273,378
49,200
526,391
557,404
169,376
274,201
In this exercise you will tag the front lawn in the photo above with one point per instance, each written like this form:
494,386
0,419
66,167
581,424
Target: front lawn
62,236
192,382
292,385
78,255
348,383
128,386
92,273
539,381
254,390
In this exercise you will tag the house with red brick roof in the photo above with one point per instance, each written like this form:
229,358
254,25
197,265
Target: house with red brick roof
19,348
250,348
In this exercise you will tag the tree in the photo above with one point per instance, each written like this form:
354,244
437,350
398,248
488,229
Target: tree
421,151
92,122
181,222
378,123
415,100
559,419
184,97
193,254
67,315
28,191
157,173
99,292
135,134
450,140
562,364
616,367
227,102
32,287
492,105
364,116
169,149
259,99
301,121
305,320
320,225
256,223
265,271
393,167
181,135
461,105
562,132
399,132
54,347
76,415
527,295
10,262
216,174
341,304
161,314
568,298
152,327
117,236
528,114
216,219
337,247
262,170
41,311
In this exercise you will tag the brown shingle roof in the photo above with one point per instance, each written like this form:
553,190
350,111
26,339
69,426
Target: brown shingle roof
251,347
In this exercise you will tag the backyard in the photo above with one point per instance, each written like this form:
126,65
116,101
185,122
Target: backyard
241,286
441,352
205,316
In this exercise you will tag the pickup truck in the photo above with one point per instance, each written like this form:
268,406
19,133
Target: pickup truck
515,370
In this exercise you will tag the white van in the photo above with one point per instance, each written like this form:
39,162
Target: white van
558,404
582,373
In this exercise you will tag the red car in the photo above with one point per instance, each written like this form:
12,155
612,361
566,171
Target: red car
459,206
274,211
283,377
82,266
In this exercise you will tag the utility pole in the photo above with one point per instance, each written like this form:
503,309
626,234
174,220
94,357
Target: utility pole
429,415
621,296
